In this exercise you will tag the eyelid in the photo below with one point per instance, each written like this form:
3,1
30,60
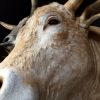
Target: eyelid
52,17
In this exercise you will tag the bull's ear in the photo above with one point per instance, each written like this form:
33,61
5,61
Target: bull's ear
72,5
91,14
33,5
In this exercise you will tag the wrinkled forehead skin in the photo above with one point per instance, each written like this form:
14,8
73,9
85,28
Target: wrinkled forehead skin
46,64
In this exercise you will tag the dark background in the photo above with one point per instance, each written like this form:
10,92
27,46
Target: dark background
12,11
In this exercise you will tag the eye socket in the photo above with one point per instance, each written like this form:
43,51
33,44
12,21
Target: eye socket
53,22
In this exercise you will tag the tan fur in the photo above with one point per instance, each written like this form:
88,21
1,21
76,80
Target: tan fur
56,62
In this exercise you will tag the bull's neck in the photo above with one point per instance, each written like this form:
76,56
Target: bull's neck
94,41
89,87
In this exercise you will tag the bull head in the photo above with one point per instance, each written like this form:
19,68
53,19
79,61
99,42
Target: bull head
54,58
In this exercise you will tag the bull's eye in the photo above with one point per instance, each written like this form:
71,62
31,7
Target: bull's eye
53,22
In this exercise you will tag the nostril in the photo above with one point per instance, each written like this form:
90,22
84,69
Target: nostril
1,82
6,39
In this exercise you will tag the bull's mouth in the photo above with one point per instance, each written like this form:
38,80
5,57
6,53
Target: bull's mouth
5,49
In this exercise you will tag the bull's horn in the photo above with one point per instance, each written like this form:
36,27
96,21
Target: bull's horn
90,14
7,26
95,29
73,5
33,5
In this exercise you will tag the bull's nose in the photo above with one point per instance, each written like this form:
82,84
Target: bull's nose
8,80
12,87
